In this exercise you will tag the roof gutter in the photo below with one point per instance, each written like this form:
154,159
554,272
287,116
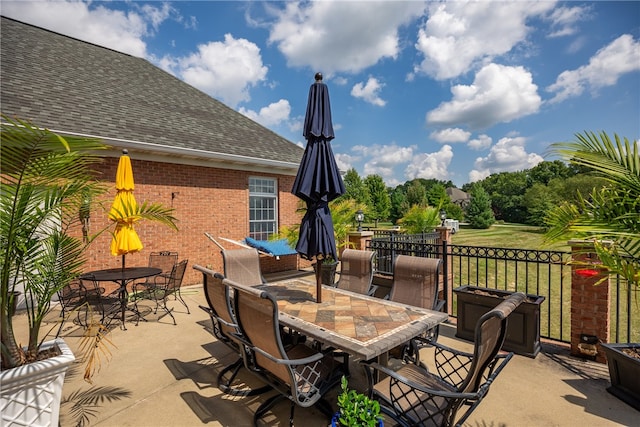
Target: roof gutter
234,158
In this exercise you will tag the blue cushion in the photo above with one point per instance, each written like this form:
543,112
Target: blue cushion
274,247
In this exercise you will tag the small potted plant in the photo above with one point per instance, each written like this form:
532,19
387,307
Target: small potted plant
356,409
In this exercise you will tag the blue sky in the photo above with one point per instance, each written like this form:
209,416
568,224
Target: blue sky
446,90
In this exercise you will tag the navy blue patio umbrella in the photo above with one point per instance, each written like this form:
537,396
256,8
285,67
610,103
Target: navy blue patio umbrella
318,181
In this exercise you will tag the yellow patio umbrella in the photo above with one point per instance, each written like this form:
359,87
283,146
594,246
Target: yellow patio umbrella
125,239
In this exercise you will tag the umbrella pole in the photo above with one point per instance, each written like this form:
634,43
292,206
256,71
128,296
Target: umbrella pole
318,281
123,295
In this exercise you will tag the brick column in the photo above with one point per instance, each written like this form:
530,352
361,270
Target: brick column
590,302
358,239
445,235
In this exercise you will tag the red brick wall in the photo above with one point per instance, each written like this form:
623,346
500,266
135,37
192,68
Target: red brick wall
205,199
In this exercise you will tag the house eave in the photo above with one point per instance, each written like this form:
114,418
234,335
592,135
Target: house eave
190,156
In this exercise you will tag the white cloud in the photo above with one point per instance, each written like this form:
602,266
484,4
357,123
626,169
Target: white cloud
369,91
508,155
450,135
224,69
271,115
604,69
383,159
94,23
430,165
341,36
498,94
460,34
344,161
564,20
480,143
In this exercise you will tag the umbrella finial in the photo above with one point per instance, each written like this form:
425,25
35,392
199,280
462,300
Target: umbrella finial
125,151
318,77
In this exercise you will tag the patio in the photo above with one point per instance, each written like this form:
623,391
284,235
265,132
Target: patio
164,375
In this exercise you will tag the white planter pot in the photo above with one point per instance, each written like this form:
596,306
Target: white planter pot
31,394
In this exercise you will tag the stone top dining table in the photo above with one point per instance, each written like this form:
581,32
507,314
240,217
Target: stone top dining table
365,327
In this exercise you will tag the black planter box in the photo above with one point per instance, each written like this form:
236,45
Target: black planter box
624,372
523,328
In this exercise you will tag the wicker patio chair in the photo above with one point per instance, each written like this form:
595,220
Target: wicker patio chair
224,325
356,271
415,282
299,373
243,266
164,287
414,396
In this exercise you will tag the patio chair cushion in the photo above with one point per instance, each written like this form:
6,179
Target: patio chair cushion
273,247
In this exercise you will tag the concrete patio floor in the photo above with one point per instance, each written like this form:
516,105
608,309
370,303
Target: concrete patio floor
165,375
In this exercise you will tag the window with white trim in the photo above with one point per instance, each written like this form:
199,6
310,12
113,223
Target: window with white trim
263,202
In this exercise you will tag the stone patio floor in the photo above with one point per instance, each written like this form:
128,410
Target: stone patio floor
165,375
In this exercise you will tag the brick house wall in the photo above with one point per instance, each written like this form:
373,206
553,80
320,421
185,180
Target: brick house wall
205,199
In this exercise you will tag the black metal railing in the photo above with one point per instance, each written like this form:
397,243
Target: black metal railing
538,272
391,244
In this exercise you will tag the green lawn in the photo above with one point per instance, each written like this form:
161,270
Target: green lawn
506,236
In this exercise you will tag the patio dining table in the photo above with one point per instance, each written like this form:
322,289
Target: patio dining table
363,326
122,276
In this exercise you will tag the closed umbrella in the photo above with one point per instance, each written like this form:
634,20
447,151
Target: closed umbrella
125,239
318,181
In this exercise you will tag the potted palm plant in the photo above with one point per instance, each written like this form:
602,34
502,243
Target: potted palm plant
46,180
44,177
356,409
610,218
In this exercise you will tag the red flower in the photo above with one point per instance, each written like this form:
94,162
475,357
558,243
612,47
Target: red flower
587,272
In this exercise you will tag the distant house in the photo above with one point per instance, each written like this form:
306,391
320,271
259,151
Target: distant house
222,172
458,197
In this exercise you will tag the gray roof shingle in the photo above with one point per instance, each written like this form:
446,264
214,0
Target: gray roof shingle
73,86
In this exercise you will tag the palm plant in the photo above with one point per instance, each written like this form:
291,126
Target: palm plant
46,181
45,178
343,212
420,219
610,216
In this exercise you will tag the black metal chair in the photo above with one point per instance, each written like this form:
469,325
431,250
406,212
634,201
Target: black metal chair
71,298
414,396
165,261
161,289
95,300
224,325
299,373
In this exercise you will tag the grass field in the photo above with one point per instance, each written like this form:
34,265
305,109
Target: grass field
506,236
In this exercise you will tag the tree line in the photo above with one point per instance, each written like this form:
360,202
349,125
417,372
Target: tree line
521,197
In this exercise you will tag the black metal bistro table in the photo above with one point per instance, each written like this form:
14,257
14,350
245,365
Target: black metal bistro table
122,276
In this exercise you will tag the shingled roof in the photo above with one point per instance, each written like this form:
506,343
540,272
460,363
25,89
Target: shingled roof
75,87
